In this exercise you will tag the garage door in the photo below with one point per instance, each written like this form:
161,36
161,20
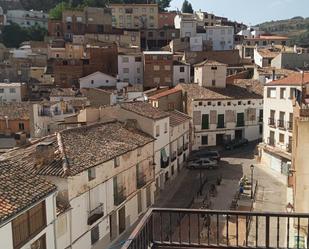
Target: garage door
275,164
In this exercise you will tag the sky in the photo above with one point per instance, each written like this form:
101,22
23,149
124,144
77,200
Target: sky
250,12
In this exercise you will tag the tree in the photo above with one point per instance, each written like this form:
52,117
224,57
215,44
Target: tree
163,4
186,7
13,35
56,12
44,5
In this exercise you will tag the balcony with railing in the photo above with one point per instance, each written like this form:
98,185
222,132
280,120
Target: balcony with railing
271,141
289,125
141,180
271,122
95,214
185,146
179,151
202,228
164,163
280,124
120,196
174,156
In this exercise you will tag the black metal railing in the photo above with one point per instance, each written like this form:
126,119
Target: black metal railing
289,125
140,180
189,228
185,146
280,124
164,164
179,151
271,141
120,196
95,214
174,156
271,121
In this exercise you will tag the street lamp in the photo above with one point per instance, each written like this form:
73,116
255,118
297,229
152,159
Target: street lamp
252,167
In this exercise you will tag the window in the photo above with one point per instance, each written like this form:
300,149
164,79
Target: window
261,129
239,102
214,68
182,80
209,103
95,234
125,59
156,68
213,82
281,138
228,103
92,81
138,59
249,102
91,174
219,103
28,224
157,130
205,121
40,243
200,103
220,123
181,69
125,70
21,126
271,92
165,127
167,68
240,119
292,92
204,140
116,162
12,90
1,90
150,34
282,93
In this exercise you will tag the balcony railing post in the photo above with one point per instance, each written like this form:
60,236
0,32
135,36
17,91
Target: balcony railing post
267,231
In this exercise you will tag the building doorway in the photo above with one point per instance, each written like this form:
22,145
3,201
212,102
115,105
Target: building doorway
122,219
113,226
238,134
219,139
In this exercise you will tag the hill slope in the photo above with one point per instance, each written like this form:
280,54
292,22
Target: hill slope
296,28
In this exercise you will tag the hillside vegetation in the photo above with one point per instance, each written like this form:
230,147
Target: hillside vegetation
296,28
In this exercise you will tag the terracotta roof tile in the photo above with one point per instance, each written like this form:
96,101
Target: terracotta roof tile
292,79
231,91
164,93
15,110
144,109
177,118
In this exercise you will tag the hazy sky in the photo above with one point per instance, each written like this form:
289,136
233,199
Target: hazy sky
250,11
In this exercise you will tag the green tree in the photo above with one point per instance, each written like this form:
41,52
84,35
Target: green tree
163,4
186,7
13,35
56,12
44,5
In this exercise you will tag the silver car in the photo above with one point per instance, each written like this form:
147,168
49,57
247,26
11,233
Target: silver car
203,163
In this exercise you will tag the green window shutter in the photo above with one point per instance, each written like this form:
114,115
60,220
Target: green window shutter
205,121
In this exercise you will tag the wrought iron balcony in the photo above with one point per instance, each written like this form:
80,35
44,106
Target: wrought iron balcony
179,151
165,164
95,214
271,141
289,125
174,156
185,146
271,122
140,180
189,228
280,124
120,196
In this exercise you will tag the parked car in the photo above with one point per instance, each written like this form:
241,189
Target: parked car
203,163
236,143
211,154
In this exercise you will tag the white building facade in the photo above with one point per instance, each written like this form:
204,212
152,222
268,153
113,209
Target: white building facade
130,68
12,92
222,37
27,19
181,73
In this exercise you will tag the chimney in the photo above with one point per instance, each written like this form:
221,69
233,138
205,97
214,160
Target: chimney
20,138
44,153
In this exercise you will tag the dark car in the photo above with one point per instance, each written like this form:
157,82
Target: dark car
211,154
236,143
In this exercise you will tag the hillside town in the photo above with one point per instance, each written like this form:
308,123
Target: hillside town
130,126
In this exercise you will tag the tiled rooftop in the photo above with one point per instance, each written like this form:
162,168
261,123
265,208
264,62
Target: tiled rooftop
164,93
292,79
15,110
78,149
144,109
20,188
209,63
268,53
64,92
232,91
177,118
